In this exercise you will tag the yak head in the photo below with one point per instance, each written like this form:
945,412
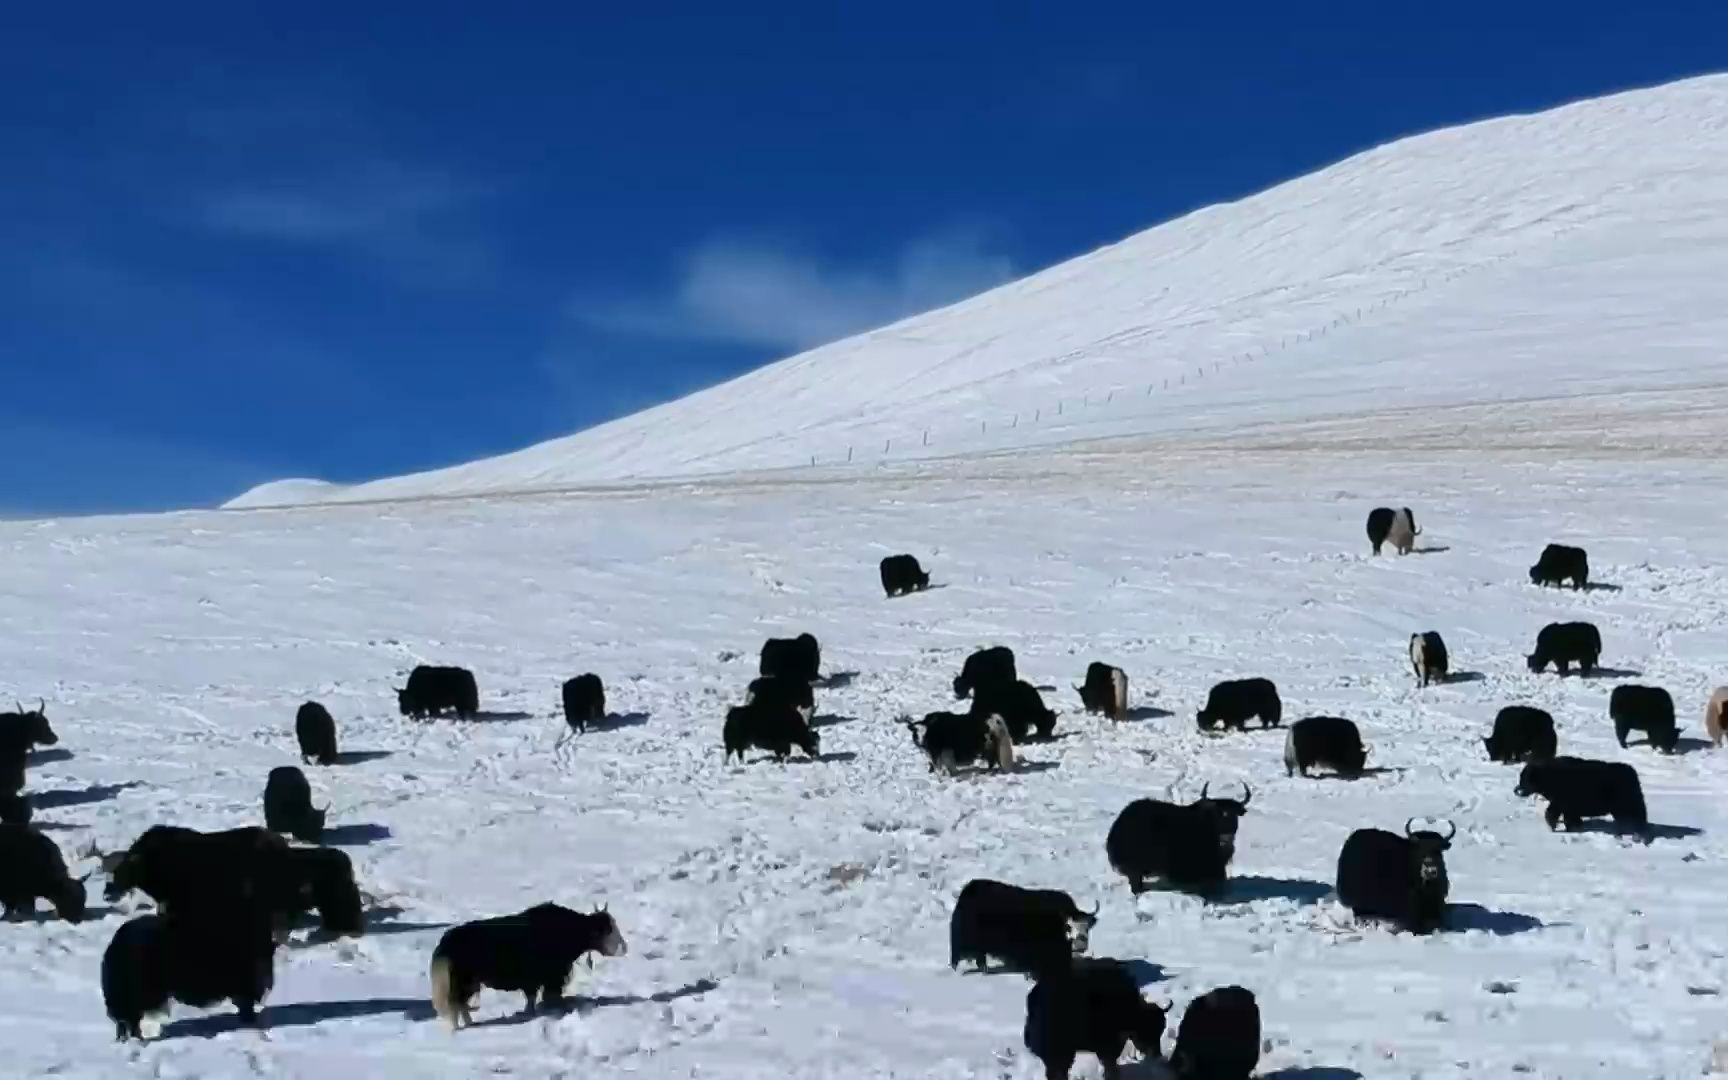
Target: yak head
1536,661
1492,745
1225,813
611,941
1146,1029
1205,720
912,727
810,741
1428,852
36,723
123,873
404,701
68,899
1411,518
1532,780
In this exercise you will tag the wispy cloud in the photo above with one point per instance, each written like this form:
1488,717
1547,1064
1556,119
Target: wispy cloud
781,297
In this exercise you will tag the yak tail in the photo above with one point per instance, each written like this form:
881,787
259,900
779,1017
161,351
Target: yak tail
446,1006
1002,742
1119,693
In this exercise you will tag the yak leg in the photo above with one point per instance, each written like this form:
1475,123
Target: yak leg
533,996
1058,1067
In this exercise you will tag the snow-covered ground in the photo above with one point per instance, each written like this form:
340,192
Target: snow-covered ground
1576,251
791,920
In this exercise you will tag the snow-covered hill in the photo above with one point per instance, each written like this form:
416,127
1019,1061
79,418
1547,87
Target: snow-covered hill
1577,251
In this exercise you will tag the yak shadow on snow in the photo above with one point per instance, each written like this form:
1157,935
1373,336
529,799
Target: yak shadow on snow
1430,549
1033,766
836,680
578,1004
502,716
1464,677
302,1014
1463,917
1601,586
614,721
355,835
48,757
1363,773
1146,712
833,757
830,719
1313,1072
50,800
1654,832
1246,890
1607,673
360,757
1145,972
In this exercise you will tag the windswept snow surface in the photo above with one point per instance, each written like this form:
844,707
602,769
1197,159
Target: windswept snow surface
1580,250
791,920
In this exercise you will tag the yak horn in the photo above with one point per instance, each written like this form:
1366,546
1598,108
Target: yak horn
1452,830
1204,788
1408,822
1096,906
1247,794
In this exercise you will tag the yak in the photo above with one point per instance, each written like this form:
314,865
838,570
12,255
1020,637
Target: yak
584,701
199,959
433,690
1188,846
954,740
1382,875
1090,1006
531,952
32,868
315,730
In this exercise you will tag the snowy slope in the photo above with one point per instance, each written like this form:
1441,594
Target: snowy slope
1579,250
790,921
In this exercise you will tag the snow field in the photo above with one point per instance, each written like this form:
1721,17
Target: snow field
792,920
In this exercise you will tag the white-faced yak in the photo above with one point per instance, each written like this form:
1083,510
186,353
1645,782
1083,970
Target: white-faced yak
530,952
1090,1006
1382,875
196,958
315,730
31,869
432,691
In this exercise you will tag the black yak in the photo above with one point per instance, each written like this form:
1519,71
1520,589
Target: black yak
777,690
1649,709
316,732
1219,1037
584,701
1233,701
431,691
288,805
1382,875
1188,846
1522,733
764,726
986,666
1428,657
1563,644
1029,930
1559,563
1019,705
531,952
798,659
199,959
184,868
1090,1006
31,868
1331,741
1579,788
21,732
901,574
15,808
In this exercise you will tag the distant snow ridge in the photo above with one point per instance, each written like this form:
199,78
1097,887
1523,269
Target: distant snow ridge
1574,252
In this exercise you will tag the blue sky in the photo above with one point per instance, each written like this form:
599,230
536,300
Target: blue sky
243,240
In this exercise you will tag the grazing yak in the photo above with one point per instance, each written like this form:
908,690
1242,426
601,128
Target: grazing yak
1331,741
321,879
1382,875
1397,526
1649,709
31,868
984,667
315,730
1090,1006
1105,690
288,805
15,808
1019,705
778,690
584,701
199,959
901,574
1190,847
530,952
1233,701
21,732
1578,788
1565,644
1559,563
798,659
1713,714
433,690
1029,930
1522,733
1428,657
1219,1036
953,740
764,725
184,869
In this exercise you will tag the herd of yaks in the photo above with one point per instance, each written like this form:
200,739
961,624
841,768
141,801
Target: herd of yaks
225,900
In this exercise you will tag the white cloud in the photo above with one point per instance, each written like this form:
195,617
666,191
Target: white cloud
757,294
